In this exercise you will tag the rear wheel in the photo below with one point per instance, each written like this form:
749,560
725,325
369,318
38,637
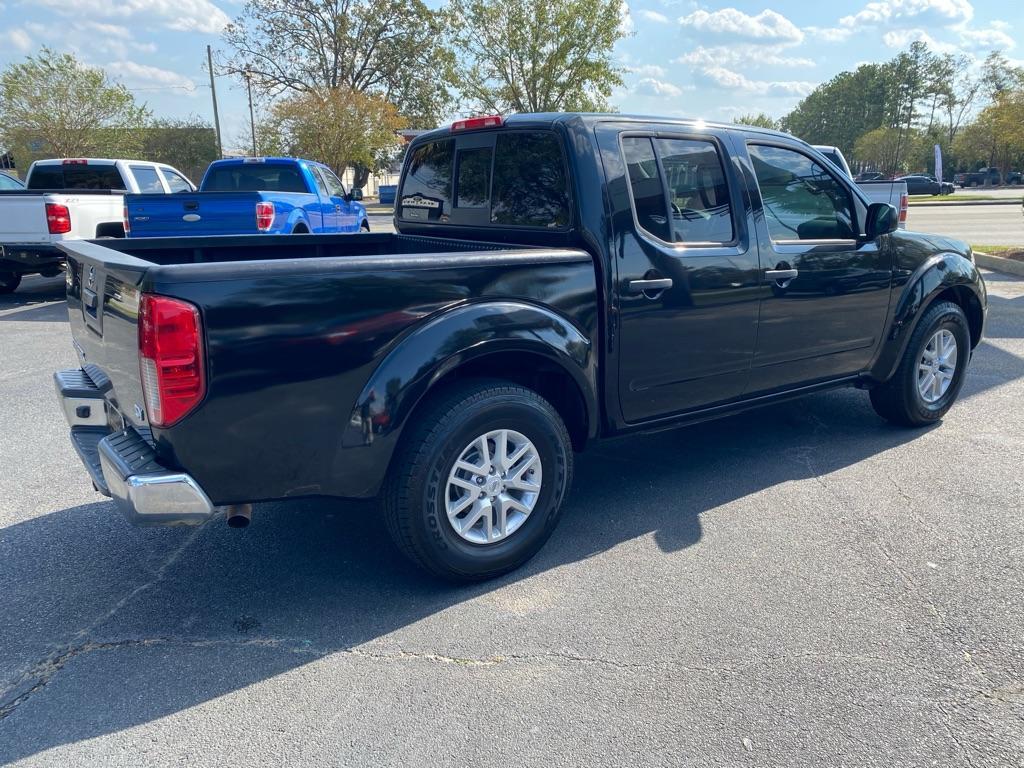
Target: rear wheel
931,373
9,282
477,486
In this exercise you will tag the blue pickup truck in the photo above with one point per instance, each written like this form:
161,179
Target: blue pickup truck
251,195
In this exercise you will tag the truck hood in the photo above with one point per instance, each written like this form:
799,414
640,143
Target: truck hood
914,248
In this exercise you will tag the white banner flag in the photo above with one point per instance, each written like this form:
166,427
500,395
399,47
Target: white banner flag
938,163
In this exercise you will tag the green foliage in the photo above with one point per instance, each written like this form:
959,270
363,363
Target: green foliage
189,144
760,120
535,55
382,48
54,106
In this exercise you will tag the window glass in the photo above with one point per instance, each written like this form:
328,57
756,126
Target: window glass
175,181
318,179
473,188
254,177
333,183
6,182
77,176
645,181
147,179
427,189
802,201
697,191
531,186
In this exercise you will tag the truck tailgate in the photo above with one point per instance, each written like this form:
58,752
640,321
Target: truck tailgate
192,214
23,219
103,309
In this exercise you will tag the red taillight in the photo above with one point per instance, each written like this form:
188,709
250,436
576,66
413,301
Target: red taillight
58,219
264,216
487,121
904,204
127,223
170,358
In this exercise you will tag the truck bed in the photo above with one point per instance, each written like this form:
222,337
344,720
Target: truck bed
291,323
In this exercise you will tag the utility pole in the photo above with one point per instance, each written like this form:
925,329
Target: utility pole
213,90
252,118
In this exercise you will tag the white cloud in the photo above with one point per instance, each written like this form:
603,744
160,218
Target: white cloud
992,38
657,18
911,13
829,34
18,39
766,27
647,70
730,80
739,55
901,38
654,87
626,26
143,76
179,15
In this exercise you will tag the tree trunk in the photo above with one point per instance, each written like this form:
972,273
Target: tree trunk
360,175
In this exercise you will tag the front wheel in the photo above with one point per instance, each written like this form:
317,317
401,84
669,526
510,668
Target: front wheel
477,486
931,373
9,282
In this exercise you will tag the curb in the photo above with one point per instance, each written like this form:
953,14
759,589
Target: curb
938,203
999,264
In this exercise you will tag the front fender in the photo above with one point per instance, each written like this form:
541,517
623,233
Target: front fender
432,351
919,291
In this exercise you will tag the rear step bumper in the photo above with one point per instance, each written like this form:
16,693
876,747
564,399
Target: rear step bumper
122,465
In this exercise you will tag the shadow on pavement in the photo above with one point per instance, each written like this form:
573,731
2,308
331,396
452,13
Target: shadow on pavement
217,610
39,299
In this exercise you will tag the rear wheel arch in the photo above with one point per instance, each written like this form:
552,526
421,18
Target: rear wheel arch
300,229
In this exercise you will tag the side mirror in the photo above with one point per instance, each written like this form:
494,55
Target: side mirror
882,219
357,194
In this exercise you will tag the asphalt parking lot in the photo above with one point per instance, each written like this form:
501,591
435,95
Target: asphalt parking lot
974,224
800,586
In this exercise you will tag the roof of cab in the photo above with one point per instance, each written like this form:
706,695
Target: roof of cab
263,160
547,119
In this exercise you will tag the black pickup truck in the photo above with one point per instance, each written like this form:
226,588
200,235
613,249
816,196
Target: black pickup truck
555,279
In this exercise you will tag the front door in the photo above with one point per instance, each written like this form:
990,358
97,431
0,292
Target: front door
825,288
345,214
687,277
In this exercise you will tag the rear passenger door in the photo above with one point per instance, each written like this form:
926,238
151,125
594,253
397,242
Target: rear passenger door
346,219
825,290
687,271
148,180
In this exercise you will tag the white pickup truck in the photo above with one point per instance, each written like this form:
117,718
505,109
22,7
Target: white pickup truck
71,200
882,191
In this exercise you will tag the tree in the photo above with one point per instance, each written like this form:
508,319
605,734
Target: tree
54,105
338,127
392,50
760,120
189,144
535,55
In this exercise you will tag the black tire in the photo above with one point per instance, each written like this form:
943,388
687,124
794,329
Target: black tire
415,491
899,399
9,282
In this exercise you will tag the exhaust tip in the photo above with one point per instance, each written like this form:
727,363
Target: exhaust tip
239,515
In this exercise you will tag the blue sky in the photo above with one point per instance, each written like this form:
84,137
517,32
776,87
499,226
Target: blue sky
710,60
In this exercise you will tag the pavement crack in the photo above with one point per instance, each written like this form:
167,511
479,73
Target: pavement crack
946,723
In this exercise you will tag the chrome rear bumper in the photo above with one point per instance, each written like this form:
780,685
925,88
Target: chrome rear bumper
123,465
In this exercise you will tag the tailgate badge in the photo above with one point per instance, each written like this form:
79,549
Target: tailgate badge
191,217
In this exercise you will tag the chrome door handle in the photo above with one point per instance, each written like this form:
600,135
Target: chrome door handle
781,274
650,286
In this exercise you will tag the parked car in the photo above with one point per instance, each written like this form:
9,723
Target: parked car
921,185
9,182
240,196
982,177
877,191
1014,177
555,279
70,199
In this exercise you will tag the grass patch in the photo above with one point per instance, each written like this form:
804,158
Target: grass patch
952,198
1015,252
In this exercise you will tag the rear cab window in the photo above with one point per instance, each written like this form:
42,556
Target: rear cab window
76,176
255,177
679,189
147,179
504,178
